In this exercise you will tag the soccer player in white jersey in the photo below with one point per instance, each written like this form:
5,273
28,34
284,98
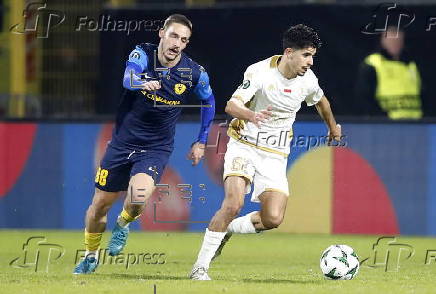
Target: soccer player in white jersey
264,108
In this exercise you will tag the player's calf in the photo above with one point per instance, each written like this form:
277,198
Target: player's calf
217,230
233,202
140,188
272,211
96,217
228,211
97,211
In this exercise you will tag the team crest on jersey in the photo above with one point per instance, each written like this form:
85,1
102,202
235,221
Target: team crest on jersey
179,88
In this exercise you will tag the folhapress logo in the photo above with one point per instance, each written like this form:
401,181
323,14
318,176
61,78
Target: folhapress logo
38,254
389,15
39,20
388,253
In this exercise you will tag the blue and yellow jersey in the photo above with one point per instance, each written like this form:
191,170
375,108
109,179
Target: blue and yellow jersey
147,120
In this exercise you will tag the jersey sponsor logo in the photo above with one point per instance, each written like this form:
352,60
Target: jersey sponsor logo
146,76
153,169
179,88
245,84
287,90
158,98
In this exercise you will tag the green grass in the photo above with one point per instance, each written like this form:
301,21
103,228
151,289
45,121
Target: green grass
265,263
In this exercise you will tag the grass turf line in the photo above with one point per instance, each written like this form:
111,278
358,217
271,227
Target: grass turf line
261,263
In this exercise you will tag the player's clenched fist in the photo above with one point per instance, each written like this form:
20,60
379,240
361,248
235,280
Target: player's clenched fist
334,134
261,116
151,86
196,153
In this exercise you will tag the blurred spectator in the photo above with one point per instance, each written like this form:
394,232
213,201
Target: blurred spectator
389,82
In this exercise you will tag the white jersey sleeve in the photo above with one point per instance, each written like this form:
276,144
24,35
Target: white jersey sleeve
315,92
250,85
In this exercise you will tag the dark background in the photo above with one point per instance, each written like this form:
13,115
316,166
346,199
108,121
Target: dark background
225,41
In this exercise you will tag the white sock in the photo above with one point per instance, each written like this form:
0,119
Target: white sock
242,225
92,253
211,242
122,222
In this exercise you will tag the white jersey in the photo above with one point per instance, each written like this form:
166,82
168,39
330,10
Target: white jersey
264,85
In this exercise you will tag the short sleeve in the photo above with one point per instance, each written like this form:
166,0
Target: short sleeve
138,58
250,85
315,93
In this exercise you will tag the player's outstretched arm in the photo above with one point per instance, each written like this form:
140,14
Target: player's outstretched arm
237,109
203,91
325,111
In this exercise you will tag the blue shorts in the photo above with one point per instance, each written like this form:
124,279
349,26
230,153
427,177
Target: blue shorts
120,164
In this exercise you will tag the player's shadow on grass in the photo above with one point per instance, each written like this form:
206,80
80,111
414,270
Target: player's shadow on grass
142,276
281,281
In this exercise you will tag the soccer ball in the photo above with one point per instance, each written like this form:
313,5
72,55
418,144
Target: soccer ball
339,262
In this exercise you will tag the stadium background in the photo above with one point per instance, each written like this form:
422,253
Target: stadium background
58,96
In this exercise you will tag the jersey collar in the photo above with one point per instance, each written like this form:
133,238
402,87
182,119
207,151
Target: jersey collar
274,61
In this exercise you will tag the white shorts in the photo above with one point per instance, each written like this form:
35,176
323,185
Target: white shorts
265,170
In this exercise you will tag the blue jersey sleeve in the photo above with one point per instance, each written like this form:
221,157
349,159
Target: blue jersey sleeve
203,89
135,65
204,93
138,59
132,80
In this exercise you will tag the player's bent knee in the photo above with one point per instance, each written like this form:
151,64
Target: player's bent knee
141,179
140,189
270,224
235,193
231,210
96,211
272,221
137,196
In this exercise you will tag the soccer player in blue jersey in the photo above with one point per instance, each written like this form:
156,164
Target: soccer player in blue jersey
157,80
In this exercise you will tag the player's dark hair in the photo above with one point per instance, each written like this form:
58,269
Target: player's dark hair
177,18
301,36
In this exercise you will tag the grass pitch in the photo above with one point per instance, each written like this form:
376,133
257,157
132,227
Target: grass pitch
263,263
